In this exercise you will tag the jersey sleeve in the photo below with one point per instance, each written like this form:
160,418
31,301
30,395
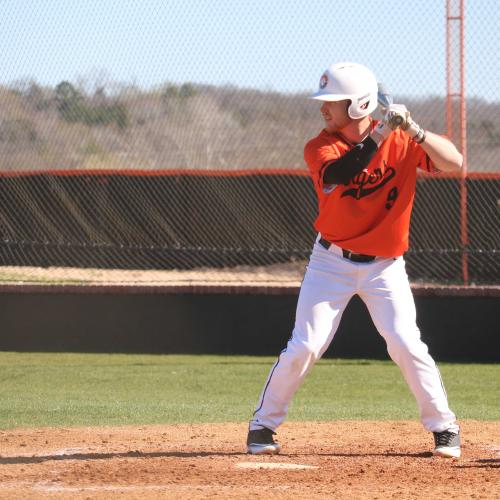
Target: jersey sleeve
318,156
423,162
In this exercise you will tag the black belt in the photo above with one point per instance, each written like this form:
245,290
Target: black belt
347,254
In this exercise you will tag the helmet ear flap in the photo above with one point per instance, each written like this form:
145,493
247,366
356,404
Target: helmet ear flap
362,107
350,108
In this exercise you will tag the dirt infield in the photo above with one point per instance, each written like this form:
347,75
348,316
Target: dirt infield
319,460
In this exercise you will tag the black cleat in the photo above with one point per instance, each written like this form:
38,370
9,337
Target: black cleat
261,442
447,444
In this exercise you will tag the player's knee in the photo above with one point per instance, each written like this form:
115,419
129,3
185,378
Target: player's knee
403,347
302,352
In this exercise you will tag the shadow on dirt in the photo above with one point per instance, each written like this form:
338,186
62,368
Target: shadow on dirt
425,454
187,454
483,463
103,456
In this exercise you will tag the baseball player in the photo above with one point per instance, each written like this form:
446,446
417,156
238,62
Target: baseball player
364,174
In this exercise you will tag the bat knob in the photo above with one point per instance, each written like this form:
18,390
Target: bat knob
398,120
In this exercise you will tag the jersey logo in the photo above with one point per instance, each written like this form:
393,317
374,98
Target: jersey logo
367,184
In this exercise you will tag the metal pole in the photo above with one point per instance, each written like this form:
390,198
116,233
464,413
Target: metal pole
463,144
459,17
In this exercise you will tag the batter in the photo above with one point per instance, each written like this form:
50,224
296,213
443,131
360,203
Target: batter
364,174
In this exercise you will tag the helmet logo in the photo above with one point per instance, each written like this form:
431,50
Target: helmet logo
364,105
323,81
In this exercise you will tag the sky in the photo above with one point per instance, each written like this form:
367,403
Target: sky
265,44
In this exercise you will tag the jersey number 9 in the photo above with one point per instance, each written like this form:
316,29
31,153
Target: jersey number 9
391,198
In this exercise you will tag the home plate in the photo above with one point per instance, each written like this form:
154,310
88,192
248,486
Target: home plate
273,465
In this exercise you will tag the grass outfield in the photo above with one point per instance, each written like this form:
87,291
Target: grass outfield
42,389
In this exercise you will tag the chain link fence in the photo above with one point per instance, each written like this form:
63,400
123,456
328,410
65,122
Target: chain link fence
121,88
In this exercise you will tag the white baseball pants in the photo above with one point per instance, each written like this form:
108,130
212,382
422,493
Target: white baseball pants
329,283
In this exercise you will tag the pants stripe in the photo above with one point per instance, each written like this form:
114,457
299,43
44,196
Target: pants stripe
268,382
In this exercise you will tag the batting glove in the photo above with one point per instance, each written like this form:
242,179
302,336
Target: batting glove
383,130
398,116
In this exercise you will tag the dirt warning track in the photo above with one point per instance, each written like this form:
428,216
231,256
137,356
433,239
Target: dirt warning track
320,460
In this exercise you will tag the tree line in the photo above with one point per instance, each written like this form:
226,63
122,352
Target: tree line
188,126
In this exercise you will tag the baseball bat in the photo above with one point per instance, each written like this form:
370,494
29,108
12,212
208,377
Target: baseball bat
385,99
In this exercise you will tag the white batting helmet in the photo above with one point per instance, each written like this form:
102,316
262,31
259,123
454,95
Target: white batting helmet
349,81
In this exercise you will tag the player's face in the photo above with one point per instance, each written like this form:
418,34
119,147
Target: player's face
335,115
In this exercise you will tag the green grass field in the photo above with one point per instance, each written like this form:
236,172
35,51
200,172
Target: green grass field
45,389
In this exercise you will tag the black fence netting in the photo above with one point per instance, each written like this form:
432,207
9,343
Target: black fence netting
178,221
170,135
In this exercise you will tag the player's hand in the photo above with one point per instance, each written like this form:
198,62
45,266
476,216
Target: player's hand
389,122
396,115
381,132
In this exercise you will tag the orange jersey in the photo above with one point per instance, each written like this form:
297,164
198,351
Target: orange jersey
370,214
